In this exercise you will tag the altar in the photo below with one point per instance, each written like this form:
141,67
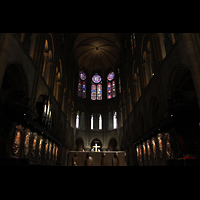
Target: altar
93,158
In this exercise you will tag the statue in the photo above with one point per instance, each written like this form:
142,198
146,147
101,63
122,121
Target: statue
104,161
115,160
75,160
89,161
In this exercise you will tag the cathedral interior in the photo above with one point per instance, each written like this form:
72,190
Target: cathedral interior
106,99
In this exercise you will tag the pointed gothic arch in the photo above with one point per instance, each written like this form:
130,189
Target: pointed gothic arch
48,58
58,82
112,145
80,116
15,83
96,141
79,144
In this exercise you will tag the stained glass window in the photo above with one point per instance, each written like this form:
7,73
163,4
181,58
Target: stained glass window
99,92
111,76
82,75
82,85
84,90
113,89
109,91
93,92
79,88
120,87
96,78
96,88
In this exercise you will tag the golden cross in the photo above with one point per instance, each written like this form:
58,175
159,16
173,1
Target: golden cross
96,147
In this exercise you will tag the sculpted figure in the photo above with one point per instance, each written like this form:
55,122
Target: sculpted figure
104,161
89,161
75,160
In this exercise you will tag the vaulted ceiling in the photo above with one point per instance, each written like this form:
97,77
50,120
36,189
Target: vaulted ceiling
97,51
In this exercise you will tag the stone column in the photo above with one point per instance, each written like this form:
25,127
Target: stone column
33,42
73,124
44,64
120,120
124,112
162,45
172,38
144,74
4,51
192,49
59,95
23,35
134,90
51,75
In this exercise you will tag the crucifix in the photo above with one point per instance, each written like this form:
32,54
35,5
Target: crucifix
96,147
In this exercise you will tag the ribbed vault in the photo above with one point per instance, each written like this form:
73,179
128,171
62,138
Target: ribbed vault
97,51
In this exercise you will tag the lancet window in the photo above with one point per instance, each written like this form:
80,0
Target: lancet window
115,120
96,122
120,87
111,87
77,120
100,122
92,122
82,85
96,87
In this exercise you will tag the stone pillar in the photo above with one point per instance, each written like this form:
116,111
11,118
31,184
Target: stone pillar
162,45
145,75
44,64
73,124
51,75
132,155
59,95
134,89
33,42
191,46
48,74
129,102
172,38
124,112
120,121
4,51
23,35
64,102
